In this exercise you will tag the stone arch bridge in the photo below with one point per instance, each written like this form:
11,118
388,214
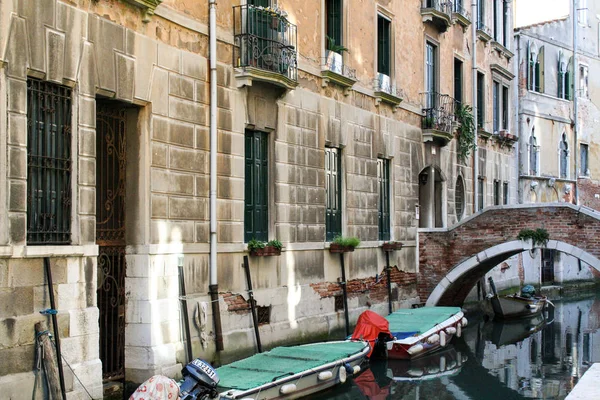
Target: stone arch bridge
452,260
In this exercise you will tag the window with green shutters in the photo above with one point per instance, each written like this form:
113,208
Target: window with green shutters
333,21
383,45
333,199
49,163
256,210
383,181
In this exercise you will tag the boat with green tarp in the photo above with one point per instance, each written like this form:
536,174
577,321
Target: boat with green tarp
411,333
291,372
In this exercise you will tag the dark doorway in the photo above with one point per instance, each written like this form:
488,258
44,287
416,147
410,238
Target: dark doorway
111,122
547,267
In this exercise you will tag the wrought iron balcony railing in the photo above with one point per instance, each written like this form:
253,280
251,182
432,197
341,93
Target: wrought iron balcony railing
444,6
458,8
333,64
438,112
265,40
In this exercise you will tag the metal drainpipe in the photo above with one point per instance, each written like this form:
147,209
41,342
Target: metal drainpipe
474,89
575,96
517,119
213,287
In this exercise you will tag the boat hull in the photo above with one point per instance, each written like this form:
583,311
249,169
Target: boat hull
435,339
509,307
302,384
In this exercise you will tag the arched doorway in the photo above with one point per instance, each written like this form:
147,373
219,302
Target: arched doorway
432,194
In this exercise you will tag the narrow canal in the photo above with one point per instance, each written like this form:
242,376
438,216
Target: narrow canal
529,359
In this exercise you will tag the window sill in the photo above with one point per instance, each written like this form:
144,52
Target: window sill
500,48
90,250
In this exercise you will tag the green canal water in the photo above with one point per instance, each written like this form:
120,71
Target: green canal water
540,358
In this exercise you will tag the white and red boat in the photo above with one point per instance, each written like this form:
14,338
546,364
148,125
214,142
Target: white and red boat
411,333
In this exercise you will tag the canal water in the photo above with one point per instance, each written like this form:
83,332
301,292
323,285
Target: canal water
540,358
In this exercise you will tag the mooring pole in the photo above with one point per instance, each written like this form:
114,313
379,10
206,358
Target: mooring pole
61,374
345,295
252,304
389,279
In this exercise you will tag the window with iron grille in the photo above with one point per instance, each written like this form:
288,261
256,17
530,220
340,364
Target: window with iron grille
263,314
480,193
333,181
256,209
383,180
564,156
49,163
459,198
583,150
505,190
496,192
338,302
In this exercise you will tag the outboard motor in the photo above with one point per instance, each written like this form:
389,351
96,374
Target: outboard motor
199,381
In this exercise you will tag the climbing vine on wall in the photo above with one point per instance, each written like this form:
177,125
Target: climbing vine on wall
466,131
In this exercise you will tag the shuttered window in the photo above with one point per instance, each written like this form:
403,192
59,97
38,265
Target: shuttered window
49,163
256,210
333,180
383,185
383,45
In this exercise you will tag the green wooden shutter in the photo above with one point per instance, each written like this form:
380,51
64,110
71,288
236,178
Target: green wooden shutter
529,67
256,211
383,178
333,210
569,79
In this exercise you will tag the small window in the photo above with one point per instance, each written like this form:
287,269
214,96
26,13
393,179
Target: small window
480,14
562,77
496,106
458,81
533,155
338,302
49,163
564,156
384,27
583,81
383,190
505,98
505,23
459,198
333,182
495,22
496,192
480,193
263,314
505,192
256,210
582,12
430,76
480,100
583,151
535,71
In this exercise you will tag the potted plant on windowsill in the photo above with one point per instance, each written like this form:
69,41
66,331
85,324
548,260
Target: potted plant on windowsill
335,60
391,246
264,249
343,244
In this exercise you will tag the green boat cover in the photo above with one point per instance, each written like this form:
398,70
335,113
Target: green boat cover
281,362
419,320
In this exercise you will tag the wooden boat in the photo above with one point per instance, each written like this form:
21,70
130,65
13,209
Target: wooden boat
412,332
446,362
282,373
516,305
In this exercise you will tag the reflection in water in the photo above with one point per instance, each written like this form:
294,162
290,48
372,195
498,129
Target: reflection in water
534,358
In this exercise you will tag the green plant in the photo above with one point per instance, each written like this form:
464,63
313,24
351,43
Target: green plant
466,131
256,244
346,241
428,122
275,243
539,236
332,46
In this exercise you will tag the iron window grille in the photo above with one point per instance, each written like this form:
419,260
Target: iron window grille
49,163
333,182
383,178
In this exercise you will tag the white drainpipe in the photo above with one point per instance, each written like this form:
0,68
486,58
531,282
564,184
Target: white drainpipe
474,88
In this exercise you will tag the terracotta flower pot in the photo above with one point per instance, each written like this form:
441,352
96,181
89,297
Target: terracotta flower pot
337,248
391,246
266,251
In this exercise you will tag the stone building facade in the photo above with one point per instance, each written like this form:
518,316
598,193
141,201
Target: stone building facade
104,161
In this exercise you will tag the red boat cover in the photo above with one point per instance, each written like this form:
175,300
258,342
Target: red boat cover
369,326
370,388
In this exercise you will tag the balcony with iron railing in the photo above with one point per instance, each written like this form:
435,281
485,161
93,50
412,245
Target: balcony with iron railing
334,70
460,13
438,13
386,91
265,46
437,121
484,33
